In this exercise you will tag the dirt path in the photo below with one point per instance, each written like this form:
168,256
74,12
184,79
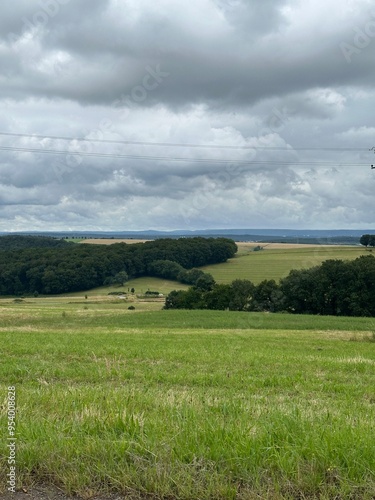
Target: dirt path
51,493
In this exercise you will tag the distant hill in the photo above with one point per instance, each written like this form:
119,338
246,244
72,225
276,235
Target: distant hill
324,236
18,242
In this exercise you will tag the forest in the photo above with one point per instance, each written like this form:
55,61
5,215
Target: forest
76,267
336,287
18,242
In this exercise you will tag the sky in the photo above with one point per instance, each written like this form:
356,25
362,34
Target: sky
201,114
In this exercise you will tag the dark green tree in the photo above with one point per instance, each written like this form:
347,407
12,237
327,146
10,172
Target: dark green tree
267,297
120,278
190,277
167,269
185,299
219,297
205,283
299,293
242,293
365,240
174,300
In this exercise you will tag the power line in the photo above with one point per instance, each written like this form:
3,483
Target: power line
170,144
170,158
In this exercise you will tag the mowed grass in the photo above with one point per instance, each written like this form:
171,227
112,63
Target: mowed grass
140,285
189,404
277,263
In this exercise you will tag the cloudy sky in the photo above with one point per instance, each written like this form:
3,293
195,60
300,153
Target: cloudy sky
198,114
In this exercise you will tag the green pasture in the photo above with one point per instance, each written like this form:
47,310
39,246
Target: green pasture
140,285
188,404
255,266
277,263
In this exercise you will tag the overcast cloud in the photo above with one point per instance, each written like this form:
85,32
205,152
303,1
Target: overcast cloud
280,94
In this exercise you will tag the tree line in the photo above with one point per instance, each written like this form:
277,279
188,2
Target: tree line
77,267
18,242
336,287
367,240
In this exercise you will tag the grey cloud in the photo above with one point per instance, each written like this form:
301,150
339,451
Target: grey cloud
254,17
12,19
270,74
29,16
112,55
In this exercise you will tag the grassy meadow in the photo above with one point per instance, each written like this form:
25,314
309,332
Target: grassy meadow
190,405
276,263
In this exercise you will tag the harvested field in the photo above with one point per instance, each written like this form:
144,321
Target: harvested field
278,246
110,241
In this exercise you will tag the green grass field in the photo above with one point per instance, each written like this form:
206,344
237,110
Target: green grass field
188,404
277,263
255,266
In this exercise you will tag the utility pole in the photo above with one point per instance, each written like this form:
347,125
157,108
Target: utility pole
372,149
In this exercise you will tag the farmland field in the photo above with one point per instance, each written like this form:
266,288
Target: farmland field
188,404
276,262
111,241
140,285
